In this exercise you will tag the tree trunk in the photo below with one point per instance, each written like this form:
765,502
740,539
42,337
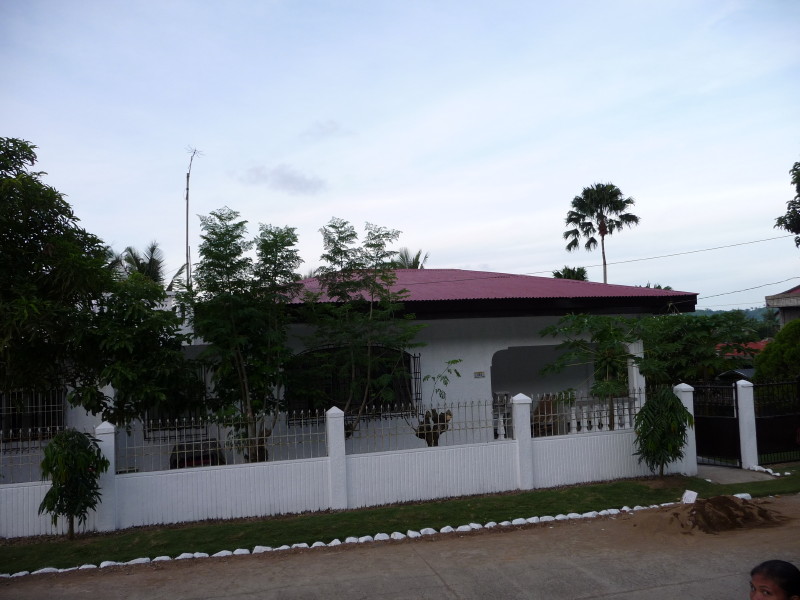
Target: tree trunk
71,527
603,250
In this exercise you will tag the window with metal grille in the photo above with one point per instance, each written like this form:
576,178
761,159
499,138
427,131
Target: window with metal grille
26,414
326,377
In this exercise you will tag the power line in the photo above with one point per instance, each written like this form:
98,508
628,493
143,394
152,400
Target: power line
747,289
622,262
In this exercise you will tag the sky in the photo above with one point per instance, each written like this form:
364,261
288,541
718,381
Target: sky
468,126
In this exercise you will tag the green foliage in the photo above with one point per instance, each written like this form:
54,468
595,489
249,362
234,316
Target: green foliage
661,427
598,340
657,286
442,380
791,220
358,316
577,273
73,463
780,360
149,263
239,308
769,323
52,272
601,209
405,260
677,347
690,348
130,342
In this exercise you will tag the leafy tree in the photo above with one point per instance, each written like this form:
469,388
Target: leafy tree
769,323
600,210
73,462
791,220
359,316
780,360
693,348
66,318
405,260
661,428
239,310
52,272
602,342
131,343
577,273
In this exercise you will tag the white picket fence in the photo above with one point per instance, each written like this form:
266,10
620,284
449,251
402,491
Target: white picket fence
341,480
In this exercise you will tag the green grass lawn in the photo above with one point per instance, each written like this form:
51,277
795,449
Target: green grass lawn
34,553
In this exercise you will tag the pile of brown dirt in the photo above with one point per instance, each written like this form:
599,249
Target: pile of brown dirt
712,515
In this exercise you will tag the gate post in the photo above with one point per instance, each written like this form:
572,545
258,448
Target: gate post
521,418
337,459
687,465
747,424
106,511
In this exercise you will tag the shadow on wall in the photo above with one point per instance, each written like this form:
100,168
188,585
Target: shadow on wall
518,370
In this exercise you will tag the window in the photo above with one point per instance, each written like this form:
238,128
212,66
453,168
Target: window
31,414
323,378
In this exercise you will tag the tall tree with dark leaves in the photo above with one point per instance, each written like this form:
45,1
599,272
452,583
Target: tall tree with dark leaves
239,308
791,220
361,318
52,272
600,210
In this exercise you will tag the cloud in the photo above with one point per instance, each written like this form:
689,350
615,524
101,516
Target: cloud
284,178
322,130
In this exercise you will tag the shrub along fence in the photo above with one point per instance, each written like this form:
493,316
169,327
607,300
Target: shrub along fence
501,458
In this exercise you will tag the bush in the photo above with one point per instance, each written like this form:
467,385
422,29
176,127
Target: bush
73,462
780,360
661,428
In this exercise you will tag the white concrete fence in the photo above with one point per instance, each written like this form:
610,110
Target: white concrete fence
342,481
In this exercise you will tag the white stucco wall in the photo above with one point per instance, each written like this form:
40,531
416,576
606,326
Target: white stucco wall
476,342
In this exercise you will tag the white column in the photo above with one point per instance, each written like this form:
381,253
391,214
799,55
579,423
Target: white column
636,380
688,465
106,512
337,459
747,424
521,418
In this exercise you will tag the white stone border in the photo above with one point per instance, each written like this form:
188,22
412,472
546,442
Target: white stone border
366,539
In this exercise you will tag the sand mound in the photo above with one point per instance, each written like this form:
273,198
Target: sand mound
712,515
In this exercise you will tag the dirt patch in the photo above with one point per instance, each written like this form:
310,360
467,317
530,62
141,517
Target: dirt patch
711,515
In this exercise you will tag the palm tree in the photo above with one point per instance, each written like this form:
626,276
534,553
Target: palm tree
404,259
150,263
600,209
577,273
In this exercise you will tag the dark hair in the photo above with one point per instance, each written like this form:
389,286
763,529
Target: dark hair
783,573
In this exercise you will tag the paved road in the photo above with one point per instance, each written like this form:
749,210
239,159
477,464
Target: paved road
624,558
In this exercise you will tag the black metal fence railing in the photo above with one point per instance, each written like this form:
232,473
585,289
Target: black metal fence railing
777,399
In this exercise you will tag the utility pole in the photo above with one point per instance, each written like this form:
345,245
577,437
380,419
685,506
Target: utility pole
192,153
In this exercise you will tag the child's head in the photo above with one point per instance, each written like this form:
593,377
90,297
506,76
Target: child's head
775,580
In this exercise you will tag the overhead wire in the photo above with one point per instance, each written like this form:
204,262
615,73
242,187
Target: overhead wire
654,258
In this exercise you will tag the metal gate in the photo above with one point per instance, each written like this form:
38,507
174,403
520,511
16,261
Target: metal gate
716,425
777,408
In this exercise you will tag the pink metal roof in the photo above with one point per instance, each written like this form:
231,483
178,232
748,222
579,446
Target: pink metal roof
457,284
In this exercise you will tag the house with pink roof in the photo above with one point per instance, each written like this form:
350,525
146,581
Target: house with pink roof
492,323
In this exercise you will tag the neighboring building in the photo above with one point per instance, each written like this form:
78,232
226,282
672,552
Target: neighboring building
787,303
